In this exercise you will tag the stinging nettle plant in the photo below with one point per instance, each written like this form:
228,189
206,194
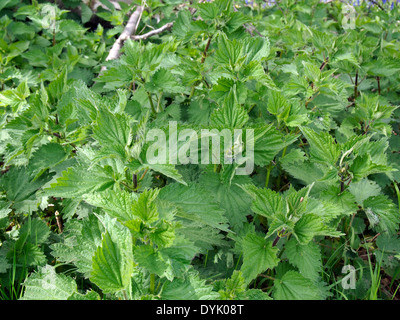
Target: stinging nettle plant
85,214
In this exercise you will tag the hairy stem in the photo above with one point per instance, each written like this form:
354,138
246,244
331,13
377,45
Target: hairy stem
151,103
134,180
206,49
276,240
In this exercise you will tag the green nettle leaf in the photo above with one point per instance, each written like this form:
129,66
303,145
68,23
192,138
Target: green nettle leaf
113,132
179,255
34,231
266,202
81,239
15,97
4,264
254,71
19,185
293,286
77,181
46,284
296,200
199,111
254,294
322,146
47,156
312,71
306,228
168,262
382,214
168,170
228,51
311,225
307,258
208,11
7,3
343,203
86,13
182,24
278,105
203,237
258,256
256,49
145,207
229,116
228,92
280,222
28,254
117,204
363,166
196,204
151,259
298,166
4,212
163,235
268,142
230,197
364,189
89,295
163,81
389,247
192,287
113,260
237,19
383,68
57,87
233,286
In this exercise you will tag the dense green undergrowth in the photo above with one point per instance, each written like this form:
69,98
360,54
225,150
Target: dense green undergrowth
85,215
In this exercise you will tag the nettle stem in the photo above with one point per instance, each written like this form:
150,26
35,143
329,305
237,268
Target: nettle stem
277,239
203,58
341,186
151,103
269,169
134,181
267,277
159,102
378,80
356,86
152,283
324,63
206,49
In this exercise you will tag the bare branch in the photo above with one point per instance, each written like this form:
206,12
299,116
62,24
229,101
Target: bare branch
250,28
129,30
59,221
380,7
153,32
